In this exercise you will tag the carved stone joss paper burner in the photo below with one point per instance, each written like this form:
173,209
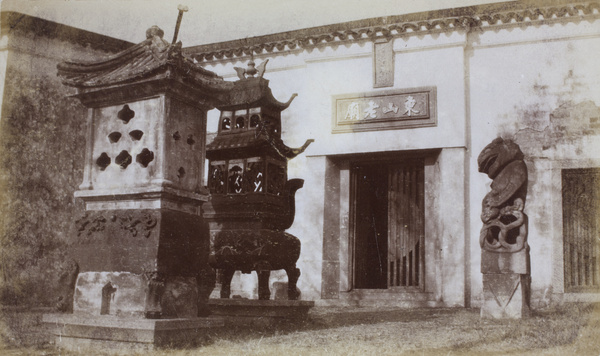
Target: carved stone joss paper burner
505,253
141,248
252,201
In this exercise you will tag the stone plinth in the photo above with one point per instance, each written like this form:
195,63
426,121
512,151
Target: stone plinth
83,332
506,284
505,295
124,254
260,312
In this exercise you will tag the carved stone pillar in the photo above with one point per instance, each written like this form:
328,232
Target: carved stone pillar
503,239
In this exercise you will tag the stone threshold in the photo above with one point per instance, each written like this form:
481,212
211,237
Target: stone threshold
402,298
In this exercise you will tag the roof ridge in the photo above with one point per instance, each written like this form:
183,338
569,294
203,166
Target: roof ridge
464,18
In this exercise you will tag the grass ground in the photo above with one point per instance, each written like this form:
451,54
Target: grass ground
572,329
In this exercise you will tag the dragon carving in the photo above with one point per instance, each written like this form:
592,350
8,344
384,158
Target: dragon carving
504,222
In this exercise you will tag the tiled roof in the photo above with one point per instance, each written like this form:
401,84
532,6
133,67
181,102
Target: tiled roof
152,58
513,13
253,92
253,142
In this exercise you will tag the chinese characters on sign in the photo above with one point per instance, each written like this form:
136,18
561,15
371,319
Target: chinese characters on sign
385,110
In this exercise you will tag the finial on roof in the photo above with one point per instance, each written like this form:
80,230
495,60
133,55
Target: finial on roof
251,71
154,31
181,9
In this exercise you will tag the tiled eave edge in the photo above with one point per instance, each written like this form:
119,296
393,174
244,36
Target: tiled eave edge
485,17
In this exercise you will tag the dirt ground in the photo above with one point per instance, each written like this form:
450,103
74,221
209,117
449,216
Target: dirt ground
571,329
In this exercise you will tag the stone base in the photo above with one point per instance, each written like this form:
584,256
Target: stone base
251,312
506,295
128,295
81,332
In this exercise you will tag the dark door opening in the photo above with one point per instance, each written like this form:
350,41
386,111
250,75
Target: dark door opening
371,240
389,224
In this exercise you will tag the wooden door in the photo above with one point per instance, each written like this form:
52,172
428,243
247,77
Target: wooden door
406,225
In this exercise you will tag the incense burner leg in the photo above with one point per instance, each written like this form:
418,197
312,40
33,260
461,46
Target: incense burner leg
263,284
293,275
226,276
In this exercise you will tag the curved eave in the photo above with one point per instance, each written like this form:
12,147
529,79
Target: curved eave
253,92
146,60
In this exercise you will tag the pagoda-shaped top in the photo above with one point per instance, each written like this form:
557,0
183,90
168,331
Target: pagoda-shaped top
250,122
253,91
152,60
146,125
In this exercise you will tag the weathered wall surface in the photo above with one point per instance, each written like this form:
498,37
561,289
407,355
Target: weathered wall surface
536,84
41,153
539,87
318,75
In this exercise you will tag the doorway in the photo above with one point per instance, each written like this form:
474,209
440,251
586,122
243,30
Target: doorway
389,224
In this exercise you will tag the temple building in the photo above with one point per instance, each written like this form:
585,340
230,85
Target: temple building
399,108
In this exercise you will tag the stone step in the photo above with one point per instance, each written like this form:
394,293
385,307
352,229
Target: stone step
81,332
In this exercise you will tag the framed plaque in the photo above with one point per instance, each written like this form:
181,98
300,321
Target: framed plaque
385,110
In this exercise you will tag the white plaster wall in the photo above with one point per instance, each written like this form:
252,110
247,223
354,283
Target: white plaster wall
518,76
318,75
500,82
452,230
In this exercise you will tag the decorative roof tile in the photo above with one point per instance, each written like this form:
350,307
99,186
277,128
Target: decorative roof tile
482,16
152,58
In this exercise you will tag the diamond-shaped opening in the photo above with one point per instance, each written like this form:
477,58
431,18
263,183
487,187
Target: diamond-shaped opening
114,137
145,157
190,140
136,135
123,159
181,172
103,161
126,114
176,136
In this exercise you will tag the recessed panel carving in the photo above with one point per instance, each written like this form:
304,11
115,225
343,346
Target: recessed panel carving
114,137
190,140
145,157
123,159
126,114
103,161
136,135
